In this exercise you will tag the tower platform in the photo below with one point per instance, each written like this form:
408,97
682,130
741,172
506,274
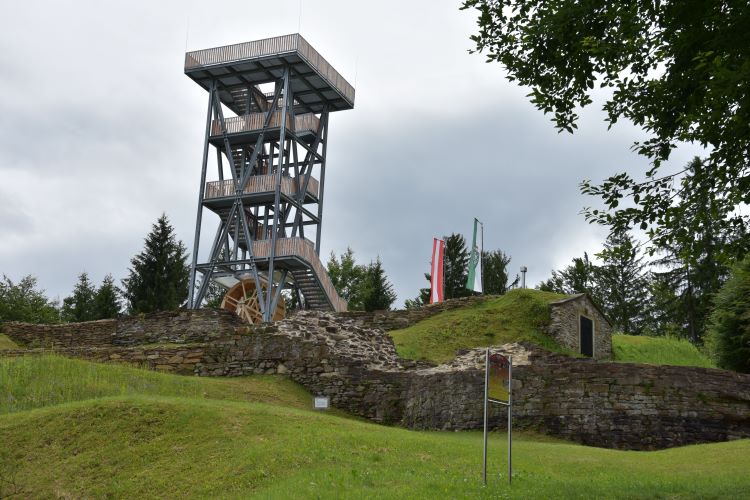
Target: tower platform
315,84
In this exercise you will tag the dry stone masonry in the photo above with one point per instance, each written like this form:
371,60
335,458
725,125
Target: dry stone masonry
564,327
355,363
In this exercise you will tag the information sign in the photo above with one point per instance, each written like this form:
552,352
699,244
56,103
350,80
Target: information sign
321,402
499,378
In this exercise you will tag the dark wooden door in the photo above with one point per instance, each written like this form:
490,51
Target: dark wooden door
587,336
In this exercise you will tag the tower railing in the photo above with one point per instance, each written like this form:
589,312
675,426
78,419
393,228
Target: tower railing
270,47
307,122
260,184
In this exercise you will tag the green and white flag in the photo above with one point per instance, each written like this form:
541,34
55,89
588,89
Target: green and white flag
474,281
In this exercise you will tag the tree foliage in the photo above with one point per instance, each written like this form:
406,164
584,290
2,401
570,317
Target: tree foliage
695,261
677,69
729,332
158,277
578,277
23,301
456,257
622,284
107,300
347,277
364,287
377,291
80,306
495,272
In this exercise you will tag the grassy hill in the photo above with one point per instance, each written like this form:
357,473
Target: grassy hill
515,316
658,351
124,432
6,343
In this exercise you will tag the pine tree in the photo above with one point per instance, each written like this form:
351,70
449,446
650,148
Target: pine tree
158,278
80,305
378,291
622,284
106,300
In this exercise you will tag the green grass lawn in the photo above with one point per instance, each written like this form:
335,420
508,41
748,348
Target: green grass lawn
512,317
6,343
38,381
159,439
658,351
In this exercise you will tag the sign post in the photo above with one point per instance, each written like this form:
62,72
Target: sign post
498,373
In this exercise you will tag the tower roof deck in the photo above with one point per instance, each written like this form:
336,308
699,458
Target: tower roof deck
314,82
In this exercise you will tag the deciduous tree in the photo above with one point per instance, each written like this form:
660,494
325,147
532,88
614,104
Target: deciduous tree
23,301
679,70
347,277
495,272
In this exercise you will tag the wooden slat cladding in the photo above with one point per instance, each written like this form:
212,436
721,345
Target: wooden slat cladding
260,184
305,250
267,48
307,122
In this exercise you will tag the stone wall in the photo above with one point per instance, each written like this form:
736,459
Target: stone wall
175,359
616,405
396,320
605,404
179,326
564,325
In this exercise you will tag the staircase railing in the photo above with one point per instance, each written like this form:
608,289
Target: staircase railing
305,250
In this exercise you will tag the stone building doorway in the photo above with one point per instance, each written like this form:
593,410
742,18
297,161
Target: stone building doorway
587,336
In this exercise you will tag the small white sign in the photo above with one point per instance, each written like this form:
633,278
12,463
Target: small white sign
322,402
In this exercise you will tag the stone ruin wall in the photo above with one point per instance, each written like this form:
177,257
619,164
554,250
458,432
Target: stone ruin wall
179,326
614,405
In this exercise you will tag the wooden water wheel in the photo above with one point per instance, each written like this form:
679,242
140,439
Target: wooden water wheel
242,299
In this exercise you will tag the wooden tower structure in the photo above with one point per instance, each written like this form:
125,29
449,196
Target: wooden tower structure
268,116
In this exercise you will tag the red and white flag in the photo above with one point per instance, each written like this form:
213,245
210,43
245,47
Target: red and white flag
436,271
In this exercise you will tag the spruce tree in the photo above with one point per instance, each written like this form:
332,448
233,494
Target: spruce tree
729,327
158,278
80,305
456,262
377,290
106,300
622,284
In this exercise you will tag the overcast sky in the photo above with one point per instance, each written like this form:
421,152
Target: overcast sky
101,132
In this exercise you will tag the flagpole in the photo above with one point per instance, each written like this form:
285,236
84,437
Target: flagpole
481,249
443,283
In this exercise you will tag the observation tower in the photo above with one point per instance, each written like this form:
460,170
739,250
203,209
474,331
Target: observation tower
268,110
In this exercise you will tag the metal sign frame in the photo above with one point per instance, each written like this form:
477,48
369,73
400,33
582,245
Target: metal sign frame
508,404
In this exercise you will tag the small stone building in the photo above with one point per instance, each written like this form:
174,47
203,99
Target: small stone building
576,322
